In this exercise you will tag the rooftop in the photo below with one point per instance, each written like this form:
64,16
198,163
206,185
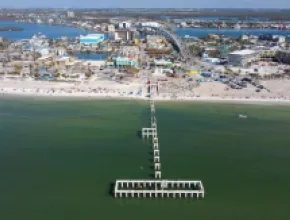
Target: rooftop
92,36
243,52
45,57
60,59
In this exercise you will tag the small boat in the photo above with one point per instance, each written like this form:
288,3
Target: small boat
243,116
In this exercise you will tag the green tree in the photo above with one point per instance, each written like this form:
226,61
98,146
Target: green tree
88,74
18,69
36,55
31,69
57,75
50,42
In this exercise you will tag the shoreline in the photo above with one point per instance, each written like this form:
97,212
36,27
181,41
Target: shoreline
136,90
89,96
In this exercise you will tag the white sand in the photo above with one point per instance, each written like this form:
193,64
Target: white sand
209,91
65,89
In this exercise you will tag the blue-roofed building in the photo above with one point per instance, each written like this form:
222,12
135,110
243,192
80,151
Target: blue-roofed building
27,47
92,39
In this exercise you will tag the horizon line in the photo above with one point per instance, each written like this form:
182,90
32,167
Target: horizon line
199,8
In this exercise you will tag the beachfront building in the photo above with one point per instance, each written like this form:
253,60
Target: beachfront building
92,39
161,72
164,63
94,64
243,57
125,61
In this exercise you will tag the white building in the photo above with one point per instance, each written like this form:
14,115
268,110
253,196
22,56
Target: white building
124,35
242,57
237,26
92,39
43,51
150,24
50,21
245,37
39,21
281,39
104,27
124,25
97,26
70,14
111,28
60,51
162,71
211,60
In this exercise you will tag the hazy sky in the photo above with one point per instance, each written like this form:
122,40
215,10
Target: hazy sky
148,3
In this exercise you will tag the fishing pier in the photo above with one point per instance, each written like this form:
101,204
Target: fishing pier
157,187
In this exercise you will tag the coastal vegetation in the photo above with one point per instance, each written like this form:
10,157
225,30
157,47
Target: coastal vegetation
88,74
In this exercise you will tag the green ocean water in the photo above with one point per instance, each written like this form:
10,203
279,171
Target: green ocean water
58,159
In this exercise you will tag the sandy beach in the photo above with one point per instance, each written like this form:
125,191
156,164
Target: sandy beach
100,89
278,92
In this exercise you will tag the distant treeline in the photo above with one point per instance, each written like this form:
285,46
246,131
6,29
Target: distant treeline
274,15
4,18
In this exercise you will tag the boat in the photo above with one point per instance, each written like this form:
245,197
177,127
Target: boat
243,116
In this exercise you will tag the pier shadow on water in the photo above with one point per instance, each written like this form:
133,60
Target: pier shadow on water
151,160
111,189
139,134
151,167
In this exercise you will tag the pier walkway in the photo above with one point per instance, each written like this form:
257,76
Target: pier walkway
157,187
